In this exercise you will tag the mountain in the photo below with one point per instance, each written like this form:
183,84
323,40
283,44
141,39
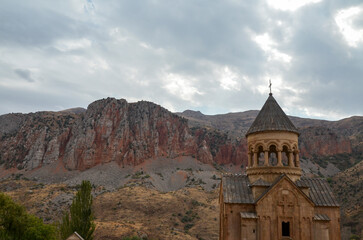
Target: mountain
78,110
347,186
110,130
120,146
129,133
320,141
236,124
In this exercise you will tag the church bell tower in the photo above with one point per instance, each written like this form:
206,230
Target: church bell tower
272,145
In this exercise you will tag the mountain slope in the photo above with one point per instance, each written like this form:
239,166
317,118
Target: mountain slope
117,144
186,214
109,130
320,141
348,188
129,133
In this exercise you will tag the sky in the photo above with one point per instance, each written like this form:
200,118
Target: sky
210,56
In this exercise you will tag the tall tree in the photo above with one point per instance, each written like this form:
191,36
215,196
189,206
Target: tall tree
16,223
80,217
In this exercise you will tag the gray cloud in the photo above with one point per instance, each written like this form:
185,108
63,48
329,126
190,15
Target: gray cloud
325,66
180,54
25,74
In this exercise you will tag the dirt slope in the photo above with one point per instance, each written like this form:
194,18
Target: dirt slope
186,214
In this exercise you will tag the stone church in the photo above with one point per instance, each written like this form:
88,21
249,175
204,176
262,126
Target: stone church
272,200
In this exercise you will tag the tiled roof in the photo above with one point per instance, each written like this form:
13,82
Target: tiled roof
236,189
261,182
302,184
321,217
248,215
319,191
271,118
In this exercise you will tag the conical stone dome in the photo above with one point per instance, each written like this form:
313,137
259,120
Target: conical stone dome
271,118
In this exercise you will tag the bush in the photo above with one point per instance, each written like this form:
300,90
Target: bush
354,237
16,223
188,226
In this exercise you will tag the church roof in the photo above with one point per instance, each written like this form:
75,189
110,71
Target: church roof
271,118
321,217
319,191
277,180
251,215
237,189
261,182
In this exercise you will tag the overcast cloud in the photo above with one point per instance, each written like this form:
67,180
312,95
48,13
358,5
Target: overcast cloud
212,56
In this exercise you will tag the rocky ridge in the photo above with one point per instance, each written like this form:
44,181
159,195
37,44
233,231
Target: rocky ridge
110,130
117,145
339,142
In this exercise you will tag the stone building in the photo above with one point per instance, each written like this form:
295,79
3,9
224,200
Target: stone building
75,236
272,200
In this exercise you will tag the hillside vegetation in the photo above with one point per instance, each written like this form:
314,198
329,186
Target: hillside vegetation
189,213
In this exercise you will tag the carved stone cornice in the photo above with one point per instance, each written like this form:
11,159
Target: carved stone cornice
273,170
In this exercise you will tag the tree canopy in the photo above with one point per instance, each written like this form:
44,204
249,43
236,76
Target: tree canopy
16,223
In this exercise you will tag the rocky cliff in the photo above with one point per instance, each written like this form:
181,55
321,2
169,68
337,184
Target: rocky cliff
109,130
129,133
322,141
340,142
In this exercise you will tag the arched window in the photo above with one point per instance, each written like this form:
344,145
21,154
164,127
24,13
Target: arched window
260,156
272,155
250,157
285,156
295,157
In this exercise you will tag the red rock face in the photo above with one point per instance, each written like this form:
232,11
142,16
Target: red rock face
233,153
114,130
34,139
222,149
129,133
110,130
322,141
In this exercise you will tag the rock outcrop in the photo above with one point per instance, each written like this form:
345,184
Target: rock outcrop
318,138
114,130
129,133
109,130
322,141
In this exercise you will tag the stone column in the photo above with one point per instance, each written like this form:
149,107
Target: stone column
297,160
249,160
291,159
255,163
266,158
279,158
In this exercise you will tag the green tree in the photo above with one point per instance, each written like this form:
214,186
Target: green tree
37,230
354,237
16,223
80,217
